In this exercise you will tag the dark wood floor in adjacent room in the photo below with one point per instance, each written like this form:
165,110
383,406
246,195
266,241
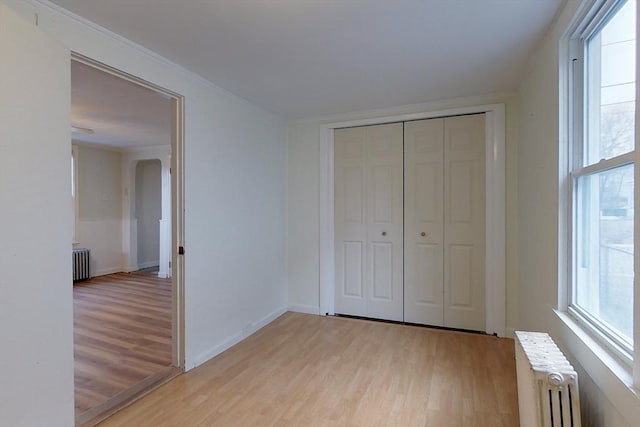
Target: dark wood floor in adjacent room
122,332
304,370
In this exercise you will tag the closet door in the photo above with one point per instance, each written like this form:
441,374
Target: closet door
464,222
424,221
368,221
350,221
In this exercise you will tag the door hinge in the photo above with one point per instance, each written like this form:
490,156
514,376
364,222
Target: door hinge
180,250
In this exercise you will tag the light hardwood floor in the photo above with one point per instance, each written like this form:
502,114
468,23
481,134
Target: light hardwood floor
304,370
122,333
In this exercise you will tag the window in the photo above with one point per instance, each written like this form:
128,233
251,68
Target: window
74,189
73,175
601,172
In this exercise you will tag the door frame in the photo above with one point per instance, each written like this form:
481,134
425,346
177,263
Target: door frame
177,200
495,244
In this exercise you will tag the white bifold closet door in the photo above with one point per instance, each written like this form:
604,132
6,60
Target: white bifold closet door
369,221
445,222
410,220
424,222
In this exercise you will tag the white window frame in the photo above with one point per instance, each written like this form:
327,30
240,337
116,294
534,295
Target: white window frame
592,16
74,192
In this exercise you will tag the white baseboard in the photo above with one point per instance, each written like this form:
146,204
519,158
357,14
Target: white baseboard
148,264
248,330
105,271
302,308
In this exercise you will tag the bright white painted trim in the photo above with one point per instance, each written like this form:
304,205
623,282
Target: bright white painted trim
302,308
74,197
105,271
236,338
148,264
564,180
495,207
612,376
437,105
603,165
495,232
636,223
327,199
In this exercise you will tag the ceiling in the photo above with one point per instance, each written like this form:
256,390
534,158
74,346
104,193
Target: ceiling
120,113
301,58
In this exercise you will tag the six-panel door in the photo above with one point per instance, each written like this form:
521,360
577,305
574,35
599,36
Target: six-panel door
464,222
433,234
424,221
368,221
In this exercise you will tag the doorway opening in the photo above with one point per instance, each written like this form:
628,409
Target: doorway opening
127,191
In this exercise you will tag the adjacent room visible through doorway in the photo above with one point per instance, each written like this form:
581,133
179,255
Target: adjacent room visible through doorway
126,307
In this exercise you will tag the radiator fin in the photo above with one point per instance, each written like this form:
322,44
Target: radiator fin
80,264
547,383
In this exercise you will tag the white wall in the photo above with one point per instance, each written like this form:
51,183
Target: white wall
99,199
234,207
36,321
148,209
303,269
131,157
538,222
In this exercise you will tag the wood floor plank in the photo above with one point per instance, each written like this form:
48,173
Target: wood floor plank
122,335
304,370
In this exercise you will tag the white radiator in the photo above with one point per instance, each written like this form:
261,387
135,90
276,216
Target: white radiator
80,264
547,383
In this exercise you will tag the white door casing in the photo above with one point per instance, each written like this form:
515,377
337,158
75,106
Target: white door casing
173,158
368,220
424,221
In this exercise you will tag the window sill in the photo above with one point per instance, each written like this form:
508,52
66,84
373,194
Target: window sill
612,376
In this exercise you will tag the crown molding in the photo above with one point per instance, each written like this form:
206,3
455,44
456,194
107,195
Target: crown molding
149,54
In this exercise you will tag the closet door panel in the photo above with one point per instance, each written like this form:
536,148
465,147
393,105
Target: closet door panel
368,221
384,279
423,228
350,221
410,221
464,222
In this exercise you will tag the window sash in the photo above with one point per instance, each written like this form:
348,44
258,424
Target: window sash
622,345
604,165
578,86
